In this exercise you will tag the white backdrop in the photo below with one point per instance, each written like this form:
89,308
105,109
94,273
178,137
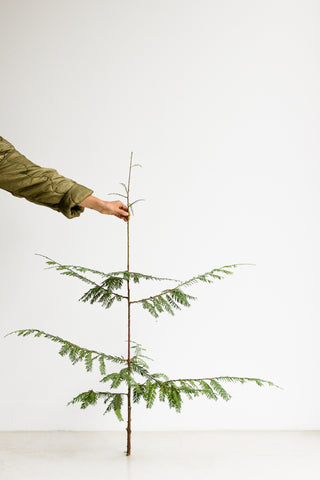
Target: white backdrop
219,102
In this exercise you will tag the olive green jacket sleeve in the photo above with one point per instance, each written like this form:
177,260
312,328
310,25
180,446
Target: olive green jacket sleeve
43,186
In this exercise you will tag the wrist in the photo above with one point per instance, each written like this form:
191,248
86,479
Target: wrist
91,202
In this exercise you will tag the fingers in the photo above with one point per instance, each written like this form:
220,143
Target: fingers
124,208
125,219
116,208
123,212
122,217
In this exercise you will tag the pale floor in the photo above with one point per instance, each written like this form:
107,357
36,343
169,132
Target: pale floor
221,455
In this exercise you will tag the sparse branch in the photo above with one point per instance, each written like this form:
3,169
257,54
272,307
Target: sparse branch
97,394
216,273
173,298
258,381
125,186
68,270
91,397
172,390
119,194
136,201
75,352
136,276
164,292
133,203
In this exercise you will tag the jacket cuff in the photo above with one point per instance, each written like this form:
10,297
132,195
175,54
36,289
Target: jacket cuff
75,195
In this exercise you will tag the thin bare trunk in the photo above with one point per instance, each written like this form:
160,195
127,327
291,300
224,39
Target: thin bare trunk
129,316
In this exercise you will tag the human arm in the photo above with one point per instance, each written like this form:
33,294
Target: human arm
43,186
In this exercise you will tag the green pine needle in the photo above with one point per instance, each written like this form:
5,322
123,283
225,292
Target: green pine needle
75,352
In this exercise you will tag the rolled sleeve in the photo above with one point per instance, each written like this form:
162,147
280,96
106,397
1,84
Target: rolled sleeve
69,204
39,185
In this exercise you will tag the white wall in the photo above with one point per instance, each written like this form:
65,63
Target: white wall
220,103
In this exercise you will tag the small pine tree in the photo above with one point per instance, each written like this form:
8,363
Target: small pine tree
134,374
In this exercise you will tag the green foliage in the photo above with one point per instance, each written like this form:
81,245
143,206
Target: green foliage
105,293
74,352
115,404
174,298
152,385
171,391
72,270
90,398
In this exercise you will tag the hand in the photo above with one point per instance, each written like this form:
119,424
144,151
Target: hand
115,208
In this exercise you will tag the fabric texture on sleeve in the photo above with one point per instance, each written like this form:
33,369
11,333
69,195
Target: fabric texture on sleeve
43,186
